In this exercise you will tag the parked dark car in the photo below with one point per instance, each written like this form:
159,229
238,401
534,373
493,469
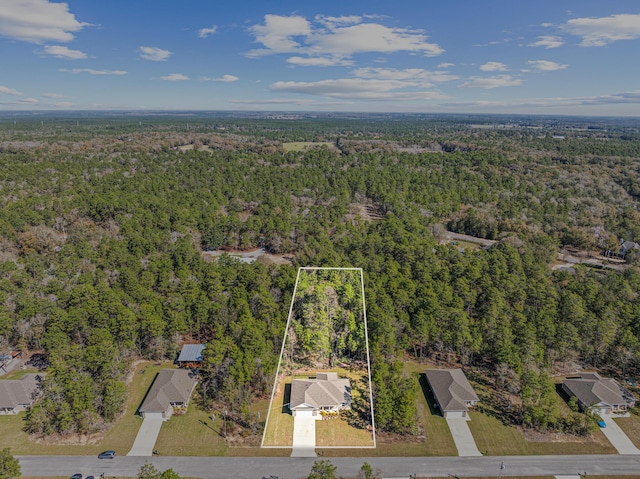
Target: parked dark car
76,476
107,455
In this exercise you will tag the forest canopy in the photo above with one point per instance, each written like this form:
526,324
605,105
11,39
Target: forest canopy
105,223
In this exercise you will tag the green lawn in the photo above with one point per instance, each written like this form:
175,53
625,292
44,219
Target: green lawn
631,427
279,431
120,437
192,434
439,441
336,432
18,373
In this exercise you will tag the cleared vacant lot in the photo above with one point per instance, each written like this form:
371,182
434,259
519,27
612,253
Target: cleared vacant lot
305,145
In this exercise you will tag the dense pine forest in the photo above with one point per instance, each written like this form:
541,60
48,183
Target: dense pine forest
105,223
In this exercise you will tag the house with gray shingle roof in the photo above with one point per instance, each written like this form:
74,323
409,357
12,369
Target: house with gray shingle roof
19,394
598,394
170,391
452,391
325,392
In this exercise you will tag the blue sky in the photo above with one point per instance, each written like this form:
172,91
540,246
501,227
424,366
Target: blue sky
468,56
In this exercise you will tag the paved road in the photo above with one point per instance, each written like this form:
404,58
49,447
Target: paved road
465,443
295,468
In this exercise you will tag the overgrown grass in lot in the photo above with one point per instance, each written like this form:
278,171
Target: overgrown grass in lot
631,427
304,145
495,439
119,438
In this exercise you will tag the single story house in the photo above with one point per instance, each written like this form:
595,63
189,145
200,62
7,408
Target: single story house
452,391
598,394
171,390
327,392
19,394
191,356
626,246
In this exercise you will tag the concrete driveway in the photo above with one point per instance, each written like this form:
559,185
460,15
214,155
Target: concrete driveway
617,437
304,437
147,436
461,433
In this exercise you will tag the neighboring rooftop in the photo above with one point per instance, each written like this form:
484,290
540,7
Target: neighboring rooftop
592,389
191,353
451,389
17,392
171,386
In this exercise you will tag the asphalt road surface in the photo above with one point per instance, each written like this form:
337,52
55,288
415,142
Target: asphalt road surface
295,468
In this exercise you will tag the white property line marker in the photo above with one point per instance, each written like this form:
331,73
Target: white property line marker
284,340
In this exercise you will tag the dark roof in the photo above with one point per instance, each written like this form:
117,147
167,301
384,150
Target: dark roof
326,390
170,386
591,389
451,388
191,352
14,392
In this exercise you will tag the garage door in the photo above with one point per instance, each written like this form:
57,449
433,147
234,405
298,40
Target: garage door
455,414
304,413
153,415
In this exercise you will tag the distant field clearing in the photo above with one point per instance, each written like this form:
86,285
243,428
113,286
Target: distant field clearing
305,145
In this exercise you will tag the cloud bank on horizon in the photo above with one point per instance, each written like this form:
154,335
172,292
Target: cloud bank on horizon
356,56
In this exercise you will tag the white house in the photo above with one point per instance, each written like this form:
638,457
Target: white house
326,392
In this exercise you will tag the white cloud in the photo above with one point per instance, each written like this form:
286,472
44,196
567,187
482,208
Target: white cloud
492,82
337,37
205,32
548,41
37,21
494,67
413,76
332,22
91,71
53,95
154,54
175,77
446,65
546,65
223,78
599,32
10,91
319,61
63,52
290,101
28,101
357,88
277,33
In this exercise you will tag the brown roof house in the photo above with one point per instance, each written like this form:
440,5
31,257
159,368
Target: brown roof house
598,394
19,394
452,391
327,392
170,392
